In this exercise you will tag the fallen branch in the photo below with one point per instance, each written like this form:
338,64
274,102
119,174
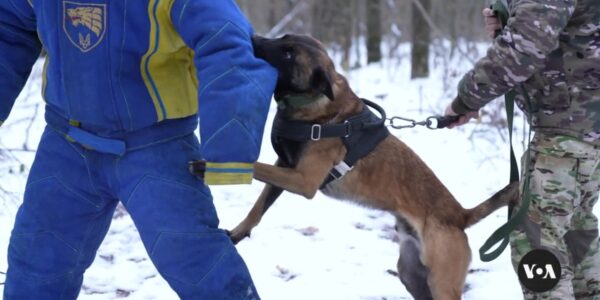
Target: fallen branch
276,30
20,150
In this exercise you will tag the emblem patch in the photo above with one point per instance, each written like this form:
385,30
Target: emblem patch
84,24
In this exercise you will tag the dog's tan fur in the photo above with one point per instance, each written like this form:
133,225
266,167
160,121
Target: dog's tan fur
391,178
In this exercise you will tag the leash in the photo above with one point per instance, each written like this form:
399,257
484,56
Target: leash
502,234
433,122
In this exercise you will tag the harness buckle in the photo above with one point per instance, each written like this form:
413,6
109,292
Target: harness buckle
348,128
315,132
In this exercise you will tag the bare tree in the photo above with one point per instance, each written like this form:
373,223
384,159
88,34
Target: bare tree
373,31
346,25
421,39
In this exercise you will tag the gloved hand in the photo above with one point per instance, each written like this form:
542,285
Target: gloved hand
492,22
463,119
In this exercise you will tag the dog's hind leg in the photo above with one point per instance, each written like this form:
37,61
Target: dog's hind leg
447,254
411,270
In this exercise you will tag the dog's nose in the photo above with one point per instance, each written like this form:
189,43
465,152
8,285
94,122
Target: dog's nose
257,40
259,44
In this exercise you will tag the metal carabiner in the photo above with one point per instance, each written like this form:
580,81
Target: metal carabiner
394,120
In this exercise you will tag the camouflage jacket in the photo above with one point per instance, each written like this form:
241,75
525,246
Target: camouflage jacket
553,48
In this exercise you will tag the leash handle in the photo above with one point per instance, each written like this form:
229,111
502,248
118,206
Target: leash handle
501,11
441,121
501,235
379,109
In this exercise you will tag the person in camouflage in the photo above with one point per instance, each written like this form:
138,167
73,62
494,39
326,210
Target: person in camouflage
552,49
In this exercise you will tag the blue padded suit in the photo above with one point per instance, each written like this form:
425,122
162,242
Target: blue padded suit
125,83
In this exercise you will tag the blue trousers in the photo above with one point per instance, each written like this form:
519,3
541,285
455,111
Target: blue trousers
68,206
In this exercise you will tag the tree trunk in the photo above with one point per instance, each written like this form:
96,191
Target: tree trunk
348,33
319,21
373,31
421,39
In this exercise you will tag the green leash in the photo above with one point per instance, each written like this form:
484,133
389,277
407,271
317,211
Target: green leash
502,234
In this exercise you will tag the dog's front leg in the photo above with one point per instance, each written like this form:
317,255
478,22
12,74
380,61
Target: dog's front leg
310,172
267,197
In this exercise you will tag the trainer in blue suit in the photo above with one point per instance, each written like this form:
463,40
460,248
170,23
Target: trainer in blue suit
125,83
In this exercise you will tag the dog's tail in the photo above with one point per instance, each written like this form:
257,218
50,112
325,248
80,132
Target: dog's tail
509,194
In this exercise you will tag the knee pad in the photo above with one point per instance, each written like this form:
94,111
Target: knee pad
41,256
203,265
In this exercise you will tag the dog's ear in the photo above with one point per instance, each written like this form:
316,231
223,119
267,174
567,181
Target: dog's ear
320,81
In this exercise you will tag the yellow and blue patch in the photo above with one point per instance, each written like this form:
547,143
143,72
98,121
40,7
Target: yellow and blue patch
228,173
173,92
84,23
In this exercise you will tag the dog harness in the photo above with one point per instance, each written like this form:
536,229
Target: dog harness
360,134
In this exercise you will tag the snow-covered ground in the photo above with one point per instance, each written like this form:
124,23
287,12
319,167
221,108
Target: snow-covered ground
308,249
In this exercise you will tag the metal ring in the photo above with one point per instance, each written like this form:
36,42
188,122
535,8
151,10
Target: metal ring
430,124
315,135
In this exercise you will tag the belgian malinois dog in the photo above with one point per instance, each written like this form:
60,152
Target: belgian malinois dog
434,252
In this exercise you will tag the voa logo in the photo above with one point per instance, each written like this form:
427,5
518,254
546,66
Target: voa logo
545,272
539,270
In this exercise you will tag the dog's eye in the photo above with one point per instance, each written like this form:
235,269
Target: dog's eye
288,53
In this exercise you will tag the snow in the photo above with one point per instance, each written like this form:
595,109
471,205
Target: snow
319,248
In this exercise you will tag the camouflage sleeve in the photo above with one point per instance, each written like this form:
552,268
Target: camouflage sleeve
531,34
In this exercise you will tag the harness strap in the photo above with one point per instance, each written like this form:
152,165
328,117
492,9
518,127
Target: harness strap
305,131
338,171
357,146
301,131
360,134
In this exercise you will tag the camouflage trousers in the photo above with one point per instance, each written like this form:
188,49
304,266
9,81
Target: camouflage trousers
565,183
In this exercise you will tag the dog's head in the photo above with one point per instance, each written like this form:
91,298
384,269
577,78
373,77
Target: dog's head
304,66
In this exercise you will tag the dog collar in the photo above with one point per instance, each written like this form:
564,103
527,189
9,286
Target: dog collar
297,100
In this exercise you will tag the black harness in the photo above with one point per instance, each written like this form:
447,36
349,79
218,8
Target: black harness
360,134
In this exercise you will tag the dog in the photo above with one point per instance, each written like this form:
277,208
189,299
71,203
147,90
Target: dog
435,254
